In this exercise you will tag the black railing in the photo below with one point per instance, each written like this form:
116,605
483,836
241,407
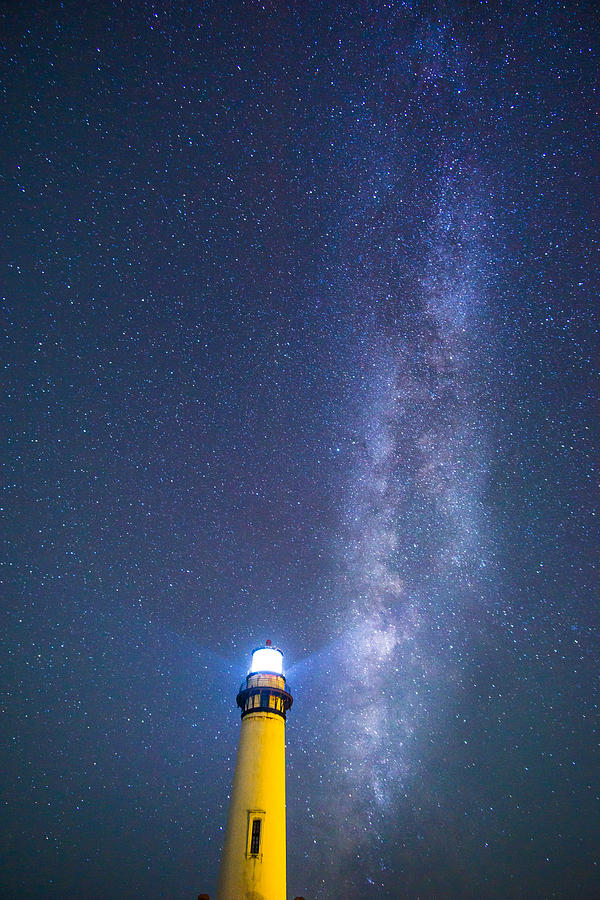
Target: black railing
265,681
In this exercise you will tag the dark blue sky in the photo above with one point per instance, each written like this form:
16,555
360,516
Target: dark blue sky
300,344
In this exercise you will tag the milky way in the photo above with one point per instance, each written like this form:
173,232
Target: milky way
416,525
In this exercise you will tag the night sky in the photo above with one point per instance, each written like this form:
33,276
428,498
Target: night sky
299,343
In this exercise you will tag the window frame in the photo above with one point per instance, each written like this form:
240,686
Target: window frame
255,816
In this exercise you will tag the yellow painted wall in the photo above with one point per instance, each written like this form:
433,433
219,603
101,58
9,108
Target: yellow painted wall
258,785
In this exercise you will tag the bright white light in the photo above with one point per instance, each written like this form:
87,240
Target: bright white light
267,659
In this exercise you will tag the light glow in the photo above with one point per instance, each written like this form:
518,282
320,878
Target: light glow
267,659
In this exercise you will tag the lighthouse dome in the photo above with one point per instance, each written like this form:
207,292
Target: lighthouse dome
267,659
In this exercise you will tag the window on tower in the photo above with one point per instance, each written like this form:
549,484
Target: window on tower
255,837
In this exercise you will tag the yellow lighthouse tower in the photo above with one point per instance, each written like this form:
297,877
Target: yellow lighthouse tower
253,865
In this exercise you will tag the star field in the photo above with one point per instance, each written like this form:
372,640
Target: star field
300,343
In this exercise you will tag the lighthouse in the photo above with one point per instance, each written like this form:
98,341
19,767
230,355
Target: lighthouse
253,865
